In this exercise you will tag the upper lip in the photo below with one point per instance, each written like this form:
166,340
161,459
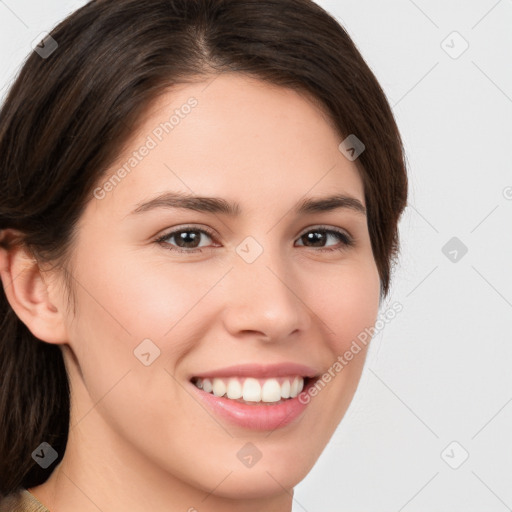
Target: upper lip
260,370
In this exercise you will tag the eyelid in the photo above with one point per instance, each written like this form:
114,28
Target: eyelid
173,230
323,227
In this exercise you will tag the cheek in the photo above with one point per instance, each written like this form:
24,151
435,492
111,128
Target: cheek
347,304
136,299
346,299
127,301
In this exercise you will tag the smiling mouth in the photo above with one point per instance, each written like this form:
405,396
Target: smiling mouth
252,390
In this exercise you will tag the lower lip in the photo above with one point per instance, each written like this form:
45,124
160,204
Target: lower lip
260,416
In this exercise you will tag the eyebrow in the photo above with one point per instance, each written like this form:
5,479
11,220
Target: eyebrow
221,206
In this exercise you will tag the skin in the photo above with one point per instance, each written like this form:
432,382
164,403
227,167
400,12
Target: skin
138,441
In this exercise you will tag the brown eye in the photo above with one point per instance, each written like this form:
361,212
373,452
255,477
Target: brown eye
184,239
318,237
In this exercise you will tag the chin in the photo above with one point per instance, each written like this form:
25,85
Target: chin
254,484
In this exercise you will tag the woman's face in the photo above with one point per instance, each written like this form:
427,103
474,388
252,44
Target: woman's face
260,290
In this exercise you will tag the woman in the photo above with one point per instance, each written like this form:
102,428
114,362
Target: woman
198,218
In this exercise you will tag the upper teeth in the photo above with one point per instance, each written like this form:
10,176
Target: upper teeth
253,390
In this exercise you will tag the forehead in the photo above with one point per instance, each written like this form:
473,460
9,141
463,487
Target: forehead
233,136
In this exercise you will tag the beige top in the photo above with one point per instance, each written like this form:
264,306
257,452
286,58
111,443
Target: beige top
22,501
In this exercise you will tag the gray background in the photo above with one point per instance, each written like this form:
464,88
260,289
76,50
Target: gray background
437,386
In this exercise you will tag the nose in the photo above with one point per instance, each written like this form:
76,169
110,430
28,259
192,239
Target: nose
264,298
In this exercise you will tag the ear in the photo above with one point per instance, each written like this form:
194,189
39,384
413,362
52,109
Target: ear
29,293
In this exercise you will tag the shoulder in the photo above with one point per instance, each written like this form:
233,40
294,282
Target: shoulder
21,501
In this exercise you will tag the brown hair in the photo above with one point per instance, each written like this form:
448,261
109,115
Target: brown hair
68,114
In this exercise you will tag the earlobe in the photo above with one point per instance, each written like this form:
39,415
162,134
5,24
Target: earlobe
28,293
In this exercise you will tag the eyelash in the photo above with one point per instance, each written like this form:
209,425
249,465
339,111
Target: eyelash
346,240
